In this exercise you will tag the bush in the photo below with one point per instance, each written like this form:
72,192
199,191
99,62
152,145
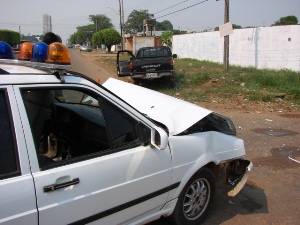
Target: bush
10,37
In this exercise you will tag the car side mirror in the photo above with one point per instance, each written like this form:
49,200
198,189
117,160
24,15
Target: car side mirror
159,138
174,56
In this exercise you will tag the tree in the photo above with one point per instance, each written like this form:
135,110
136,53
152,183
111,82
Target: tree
165,25
100,22
10,37
179,32
134,22
84,33
72,38
166,37
288,20
108,37
98,38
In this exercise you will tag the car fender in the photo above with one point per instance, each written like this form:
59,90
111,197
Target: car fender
192,152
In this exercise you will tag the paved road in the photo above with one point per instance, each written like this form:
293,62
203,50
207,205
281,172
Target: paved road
86,67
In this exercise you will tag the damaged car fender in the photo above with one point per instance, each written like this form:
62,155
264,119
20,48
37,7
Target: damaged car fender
192,152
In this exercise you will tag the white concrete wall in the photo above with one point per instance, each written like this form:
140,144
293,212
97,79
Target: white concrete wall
275,47
145,41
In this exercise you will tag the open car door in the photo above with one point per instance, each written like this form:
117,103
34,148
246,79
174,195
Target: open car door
123,60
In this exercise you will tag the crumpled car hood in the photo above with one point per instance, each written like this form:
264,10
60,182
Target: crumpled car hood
176,114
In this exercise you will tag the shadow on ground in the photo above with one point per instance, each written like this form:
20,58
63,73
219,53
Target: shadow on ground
251,200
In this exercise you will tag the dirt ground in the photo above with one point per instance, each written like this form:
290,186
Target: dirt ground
271,133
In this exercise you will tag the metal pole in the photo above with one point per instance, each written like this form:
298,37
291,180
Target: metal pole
121,26
123,37
226,38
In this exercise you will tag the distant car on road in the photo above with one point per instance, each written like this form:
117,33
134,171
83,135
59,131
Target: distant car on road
70,46
83,48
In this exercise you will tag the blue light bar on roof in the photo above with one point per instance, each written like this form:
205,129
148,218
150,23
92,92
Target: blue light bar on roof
6,52
39,52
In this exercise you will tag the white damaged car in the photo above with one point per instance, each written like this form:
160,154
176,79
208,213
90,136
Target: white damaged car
76,152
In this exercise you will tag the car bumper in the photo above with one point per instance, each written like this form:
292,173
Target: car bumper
152,75
239,182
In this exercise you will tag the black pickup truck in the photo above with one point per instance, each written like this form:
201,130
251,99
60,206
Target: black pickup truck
149,63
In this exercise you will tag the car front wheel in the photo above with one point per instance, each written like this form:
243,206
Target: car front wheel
195,199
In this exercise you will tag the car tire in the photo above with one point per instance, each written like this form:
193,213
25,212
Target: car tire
195,199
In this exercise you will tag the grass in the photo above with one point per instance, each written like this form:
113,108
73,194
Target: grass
203,81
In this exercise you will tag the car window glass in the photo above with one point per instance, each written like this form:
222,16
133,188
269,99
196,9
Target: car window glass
124,56
122,128
154,52
70,125
8,158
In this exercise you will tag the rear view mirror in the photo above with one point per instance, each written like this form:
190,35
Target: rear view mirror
174,56
159,138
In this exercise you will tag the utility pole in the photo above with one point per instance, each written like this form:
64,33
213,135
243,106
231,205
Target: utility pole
121,26
226,38
121,8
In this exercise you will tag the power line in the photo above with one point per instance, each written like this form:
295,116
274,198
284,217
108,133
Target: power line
171,7
182,9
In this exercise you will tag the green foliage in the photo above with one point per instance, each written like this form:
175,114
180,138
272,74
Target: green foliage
135,19
288,20
164,25
97,38
108,37
72,39
10,37
179,32
100,22
235,26
166,37
85,33
198,81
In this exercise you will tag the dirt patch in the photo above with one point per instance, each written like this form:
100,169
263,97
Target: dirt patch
294,116
275,132
281,158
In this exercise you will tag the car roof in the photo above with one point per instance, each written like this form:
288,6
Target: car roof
19,69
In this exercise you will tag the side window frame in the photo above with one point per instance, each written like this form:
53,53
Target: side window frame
104,102
140,133
7,109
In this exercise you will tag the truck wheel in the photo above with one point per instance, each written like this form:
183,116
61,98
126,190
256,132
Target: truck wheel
195,199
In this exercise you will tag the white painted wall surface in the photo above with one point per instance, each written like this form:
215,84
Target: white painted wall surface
275,47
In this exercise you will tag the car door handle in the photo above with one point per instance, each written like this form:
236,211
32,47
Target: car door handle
53,187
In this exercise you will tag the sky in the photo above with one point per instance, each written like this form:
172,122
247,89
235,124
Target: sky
189,15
